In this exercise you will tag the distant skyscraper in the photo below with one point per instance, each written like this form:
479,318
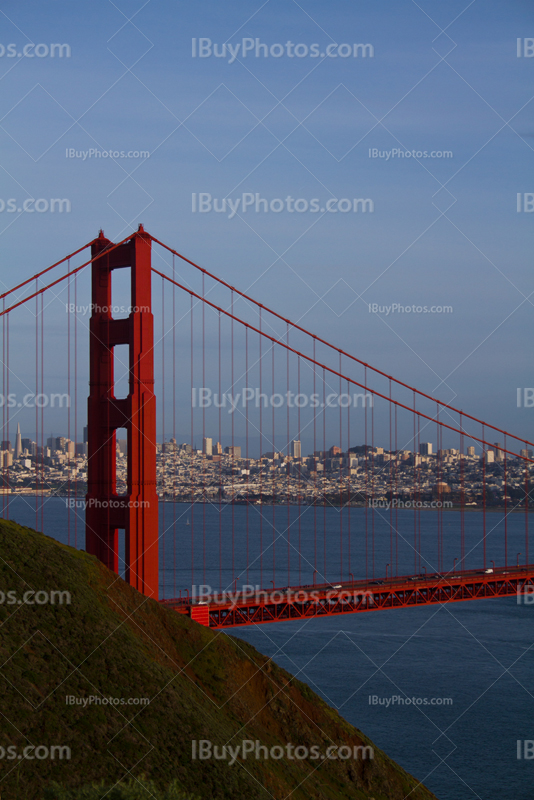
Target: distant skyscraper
207,446
295,448
18,443
470,451
218,448
234,451
425,449
57,443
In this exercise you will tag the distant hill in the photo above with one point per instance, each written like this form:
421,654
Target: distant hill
112,642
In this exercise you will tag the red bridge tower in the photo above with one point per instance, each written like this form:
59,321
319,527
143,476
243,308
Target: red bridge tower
137,511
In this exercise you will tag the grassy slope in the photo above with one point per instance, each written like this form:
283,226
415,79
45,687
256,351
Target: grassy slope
202,684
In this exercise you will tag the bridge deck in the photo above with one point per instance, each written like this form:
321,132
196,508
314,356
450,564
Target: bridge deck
228,610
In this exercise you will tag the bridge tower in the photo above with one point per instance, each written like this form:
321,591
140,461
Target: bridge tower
137,511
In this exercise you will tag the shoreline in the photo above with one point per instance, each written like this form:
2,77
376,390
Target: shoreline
283,504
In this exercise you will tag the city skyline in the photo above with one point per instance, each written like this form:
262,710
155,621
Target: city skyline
210,445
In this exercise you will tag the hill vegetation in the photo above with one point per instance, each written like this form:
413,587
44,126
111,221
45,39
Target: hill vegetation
176,683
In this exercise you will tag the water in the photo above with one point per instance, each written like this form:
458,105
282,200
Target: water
478,654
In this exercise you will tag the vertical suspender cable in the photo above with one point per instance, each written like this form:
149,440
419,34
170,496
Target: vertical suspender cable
42,407
273,476
527,490
203,437
349,492
261,452
324,477
299,469
246,450
175,453
506,506
220,460
315,464
9,452
68,413
164,455
191,466
233,443
288,463
484,493
462,495
418,485
36,460
373,484
4,409
76,404
390,464
340,476
413,490
396,490
366,454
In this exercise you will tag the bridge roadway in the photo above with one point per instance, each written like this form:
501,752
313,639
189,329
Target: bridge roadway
255,606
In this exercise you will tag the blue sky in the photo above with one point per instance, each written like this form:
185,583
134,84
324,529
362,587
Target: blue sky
443,231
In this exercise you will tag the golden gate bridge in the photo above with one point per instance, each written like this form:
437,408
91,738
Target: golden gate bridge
209,331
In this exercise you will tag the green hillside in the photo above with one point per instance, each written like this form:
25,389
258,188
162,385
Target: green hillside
111,642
